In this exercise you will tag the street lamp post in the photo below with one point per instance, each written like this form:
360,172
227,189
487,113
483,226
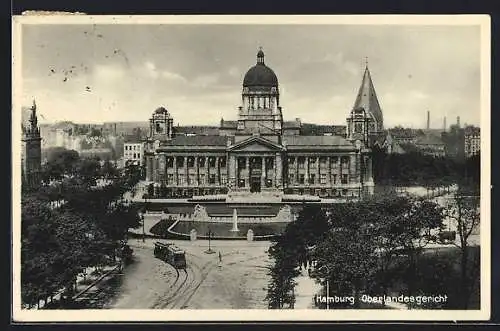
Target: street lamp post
209,250
143,232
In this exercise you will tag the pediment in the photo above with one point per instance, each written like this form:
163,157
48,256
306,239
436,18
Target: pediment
256,144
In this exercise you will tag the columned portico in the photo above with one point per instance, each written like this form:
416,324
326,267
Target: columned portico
260,171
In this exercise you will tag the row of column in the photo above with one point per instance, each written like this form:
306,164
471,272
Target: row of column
353,169
234,171
160,171
356,167
258,102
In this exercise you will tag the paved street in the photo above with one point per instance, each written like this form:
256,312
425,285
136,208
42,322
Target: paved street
240,282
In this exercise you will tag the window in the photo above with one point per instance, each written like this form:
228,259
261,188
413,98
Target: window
170,179
358,127
241,183
269,182
345,160
344,192
211,179
322,179
344,179
242,164
202,179
192,179
190,162
334,179
291,160
180,161
322,161
201,161
269,163
223,179
211,162
312,178
291,178
312,161
334,161
222,162
170,162
182,179
301,178
302,162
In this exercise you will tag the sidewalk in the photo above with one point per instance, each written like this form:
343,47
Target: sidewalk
305,290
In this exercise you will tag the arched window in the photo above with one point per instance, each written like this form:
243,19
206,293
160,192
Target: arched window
358,127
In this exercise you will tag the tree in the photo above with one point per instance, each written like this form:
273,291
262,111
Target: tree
88,170
58,241
108,169
60,162
282,272
368,238
409,231
464,211
347,255
290,250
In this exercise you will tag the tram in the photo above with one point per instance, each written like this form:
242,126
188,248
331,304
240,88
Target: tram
171,254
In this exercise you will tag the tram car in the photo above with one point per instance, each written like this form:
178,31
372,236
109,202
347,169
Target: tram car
171,254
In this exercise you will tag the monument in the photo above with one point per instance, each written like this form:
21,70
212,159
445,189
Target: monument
235,221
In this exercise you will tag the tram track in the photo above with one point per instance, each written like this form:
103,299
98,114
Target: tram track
172,290
195,275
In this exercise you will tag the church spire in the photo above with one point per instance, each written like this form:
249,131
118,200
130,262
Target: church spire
367,97
33,117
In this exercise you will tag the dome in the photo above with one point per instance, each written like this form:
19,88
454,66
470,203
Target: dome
161,110
260,74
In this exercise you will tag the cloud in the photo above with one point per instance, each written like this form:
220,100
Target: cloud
234,72
206,80
150,69
108,73
412,68
168,75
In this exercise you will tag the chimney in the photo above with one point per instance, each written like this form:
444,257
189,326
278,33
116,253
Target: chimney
428,120
458,121
444,124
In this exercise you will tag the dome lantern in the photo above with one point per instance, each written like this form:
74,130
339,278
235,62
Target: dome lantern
260,56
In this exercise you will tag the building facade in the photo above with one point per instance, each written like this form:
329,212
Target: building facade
31,153
472,141
260,152
133,153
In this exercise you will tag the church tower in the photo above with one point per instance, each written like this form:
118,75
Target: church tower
366,119
260,111
31,151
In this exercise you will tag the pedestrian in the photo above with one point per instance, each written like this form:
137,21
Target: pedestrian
220,258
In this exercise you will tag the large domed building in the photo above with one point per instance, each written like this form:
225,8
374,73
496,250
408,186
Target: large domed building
261,155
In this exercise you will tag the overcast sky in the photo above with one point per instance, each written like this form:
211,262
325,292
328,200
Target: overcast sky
87,73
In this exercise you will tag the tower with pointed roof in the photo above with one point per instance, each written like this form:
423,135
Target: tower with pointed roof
31,151
365,120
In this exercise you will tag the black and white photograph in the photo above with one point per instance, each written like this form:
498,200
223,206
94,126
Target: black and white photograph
204,168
